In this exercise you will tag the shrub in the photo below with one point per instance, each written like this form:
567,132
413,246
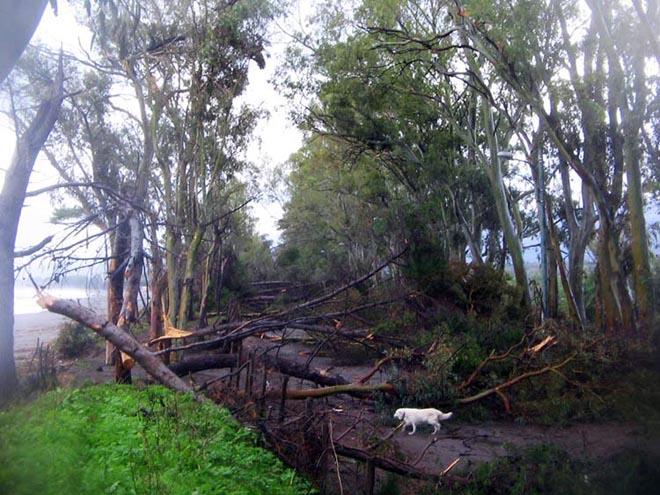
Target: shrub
547,469
74,339
120,440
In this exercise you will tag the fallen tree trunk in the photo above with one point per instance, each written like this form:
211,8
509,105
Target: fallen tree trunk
122,340
201,363
394,466
299,370
350,388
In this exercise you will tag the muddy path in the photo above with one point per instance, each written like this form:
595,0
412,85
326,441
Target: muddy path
362,423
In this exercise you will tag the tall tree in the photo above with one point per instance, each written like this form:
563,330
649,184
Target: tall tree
28,146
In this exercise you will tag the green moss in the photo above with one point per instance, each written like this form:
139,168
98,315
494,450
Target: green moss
120,440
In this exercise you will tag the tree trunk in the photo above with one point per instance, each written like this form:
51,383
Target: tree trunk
158,278
116,265
188,276
11,203
201,363
206,280
638,236
118,337
133,275
18,21
494,172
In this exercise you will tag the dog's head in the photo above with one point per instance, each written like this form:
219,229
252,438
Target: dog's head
399,414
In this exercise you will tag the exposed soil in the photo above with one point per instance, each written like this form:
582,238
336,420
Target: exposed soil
361,422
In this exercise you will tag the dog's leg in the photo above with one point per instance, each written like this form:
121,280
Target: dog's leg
414,425
436,427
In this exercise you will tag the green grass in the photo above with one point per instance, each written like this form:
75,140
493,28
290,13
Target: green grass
120,440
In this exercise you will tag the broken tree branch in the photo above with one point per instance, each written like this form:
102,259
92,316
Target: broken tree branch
33,249
395,466
123,340
351,389
201,363
502,386
298,370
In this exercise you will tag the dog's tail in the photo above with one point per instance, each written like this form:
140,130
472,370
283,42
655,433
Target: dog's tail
442,416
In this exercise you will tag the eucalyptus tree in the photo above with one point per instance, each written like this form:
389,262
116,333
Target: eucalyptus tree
32,131
608,84
156,87
383,91
202,135
18,21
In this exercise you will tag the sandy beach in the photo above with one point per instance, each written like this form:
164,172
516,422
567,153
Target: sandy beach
43,326
28,328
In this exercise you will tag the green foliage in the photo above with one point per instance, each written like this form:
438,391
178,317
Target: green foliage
66,213
120,440
74,339
545,469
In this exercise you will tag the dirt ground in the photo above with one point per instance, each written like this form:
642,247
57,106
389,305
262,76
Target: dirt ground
360,422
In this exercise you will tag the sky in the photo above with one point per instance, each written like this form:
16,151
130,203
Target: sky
276,138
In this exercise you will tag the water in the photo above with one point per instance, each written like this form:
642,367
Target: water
25,298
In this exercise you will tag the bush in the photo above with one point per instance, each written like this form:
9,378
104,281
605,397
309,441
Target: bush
546,469
74,339
117,439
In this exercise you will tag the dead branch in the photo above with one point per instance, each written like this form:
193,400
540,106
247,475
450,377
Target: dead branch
350,428
201,363
123,340
33,249
450,467
397,467
427,447
490,359
334,451
375,369
387,437
298,370
351,389
502,386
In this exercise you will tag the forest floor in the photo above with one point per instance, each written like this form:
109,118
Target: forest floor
363,422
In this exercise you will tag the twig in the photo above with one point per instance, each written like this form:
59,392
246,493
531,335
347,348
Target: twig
450,467
386,437
375,369
355,423
421,454
334,452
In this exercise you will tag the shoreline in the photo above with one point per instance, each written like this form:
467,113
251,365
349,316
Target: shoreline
32,327
42,326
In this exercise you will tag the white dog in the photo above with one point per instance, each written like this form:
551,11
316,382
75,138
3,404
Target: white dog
414,417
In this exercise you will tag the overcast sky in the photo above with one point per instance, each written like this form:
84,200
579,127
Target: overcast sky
276,137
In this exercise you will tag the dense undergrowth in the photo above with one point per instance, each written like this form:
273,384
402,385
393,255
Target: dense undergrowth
121,440
547,469
461,316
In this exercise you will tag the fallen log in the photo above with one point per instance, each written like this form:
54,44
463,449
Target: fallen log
300,370
397,467
121,339
350,388
201,363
